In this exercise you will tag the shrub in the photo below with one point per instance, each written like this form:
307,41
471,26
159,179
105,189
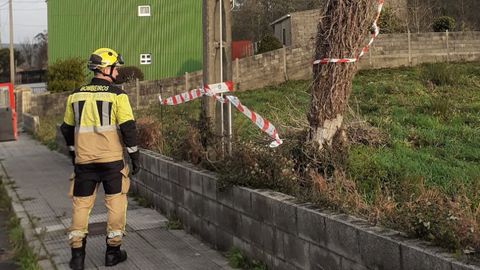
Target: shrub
444,23
129,73
66,75
149,133
269,43
389,22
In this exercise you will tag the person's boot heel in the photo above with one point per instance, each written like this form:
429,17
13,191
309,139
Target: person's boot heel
114,256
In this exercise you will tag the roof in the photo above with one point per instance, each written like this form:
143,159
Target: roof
281,19
294,14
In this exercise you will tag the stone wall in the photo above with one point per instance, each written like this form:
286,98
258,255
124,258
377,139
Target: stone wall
275,228
48,104
30,123
295,63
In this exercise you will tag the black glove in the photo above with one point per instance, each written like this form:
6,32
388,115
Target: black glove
72,156
135,157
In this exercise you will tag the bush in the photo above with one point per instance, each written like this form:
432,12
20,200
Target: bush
444,23
129,73
389,22
269,43
66,75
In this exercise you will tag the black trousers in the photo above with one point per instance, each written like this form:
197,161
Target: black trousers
88,176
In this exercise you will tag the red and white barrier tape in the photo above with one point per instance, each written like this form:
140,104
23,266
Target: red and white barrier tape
376,32
213,90
196,93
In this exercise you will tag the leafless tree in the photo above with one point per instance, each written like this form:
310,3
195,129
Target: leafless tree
41,47
28,51
252,18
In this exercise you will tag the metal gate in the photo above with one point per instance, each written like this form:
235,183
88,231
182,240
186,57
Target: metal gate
8,116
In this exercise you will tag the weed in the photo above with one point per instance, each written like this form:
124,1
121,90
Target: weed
174,223
237,259
47,131
142,201
24,255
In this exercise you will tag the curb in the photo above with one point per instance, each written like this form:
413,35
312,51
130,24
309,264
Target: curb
28,228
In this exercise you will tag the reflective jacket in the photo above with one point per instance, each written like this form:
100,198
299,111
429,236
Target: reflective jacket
94,115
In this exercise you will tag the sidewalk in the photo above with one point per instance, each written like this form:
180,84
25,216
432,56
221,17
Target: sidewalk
40,185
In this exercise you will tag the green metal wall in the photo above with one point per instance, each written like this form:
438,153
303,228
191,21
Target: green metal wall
172,34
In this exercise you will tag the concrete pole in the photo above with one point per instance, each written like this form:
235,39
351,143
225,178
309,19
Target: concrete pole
12,57
217,63
285,72
209,56
409,47
448,45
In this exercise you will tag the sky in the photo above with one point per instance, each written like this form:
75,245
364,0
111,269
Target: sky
29,19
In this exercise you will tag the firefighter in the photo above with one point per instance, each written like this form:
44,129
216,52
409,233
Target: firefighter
98,122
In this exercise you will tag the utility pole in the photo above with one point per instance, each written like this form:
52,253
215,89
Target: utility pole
12,60
217,63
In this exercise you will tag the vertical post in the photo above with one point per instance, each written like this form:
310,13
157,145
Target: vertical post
448,45
222,109
216,38
284,52
370,51
12,58
237,71
186,81
209,56
227,68
137,87
409,47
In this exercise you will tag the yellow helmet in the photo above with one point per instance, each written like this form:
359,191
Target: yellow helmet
104,57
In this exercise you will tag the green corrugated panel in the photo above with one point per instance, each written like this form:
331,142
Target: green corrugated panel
172,34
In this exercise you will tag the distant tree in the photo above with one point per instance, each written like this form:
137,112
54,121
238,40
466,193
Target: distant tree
252,18
390,23
269,43
423,12
444,23
129,73
5,61
66,75
41,47
28,52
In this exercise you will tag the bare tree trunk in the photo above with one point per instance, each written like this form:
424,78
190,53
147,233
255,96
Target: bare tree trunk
341,33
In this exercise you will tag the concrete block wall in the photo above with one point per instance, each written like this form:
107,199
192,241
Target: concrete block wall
275,228
48,104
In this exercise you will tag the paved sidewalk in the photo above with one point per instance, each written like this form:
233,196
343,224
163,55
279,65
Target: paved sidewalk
39,181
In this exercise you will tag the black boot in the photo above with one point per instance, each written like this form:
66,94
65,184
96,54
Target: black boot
77,262
114,255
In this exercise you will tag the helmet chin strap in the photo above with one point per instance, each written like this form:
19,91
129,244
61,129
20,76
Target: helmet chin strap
110,75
